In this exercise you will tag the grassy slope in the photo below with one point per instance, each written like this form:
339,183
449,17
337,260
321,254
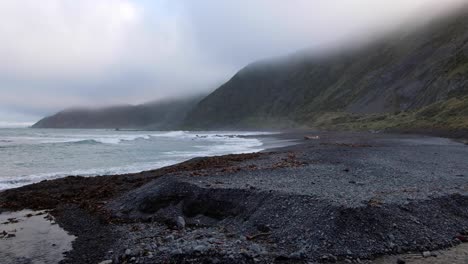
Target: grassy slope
451,114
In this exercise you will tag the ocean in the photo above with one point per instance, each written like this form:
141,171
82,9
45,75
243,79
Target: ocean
31,155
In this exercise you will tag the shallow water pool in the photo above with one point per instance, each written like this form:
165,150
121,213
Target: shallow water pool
32,237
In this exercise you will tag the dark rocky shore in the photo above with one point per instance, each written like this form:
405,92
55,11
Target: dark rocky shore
345,197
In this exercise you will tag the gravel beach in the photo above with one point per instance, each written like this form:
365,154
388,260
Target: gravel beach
332,197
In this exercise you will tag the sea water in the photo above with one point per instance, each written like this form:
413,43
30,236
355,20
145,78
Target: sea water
31,155
32,237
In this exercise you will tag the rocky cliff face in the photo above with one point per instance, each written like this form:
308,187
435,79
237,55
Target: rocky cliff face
404,72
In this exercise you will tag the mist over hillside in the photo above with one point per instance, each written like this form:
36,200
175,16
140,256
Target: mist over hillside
355,88
402,72
162,115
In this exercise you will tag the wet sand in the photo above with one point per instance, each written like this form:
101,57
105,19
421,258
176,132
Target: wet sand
32,237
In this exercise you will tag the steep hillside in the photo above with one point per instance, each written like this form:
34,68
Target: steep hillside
402,73
157,115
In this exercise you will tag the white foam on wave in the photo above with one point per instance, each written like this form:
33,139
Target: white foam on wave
122,138
210,134
125,137
80,138
224,143
234,146
14,182
104,139
220,143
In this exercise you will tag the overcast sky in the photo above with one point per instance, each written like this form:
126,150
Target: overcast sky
56,54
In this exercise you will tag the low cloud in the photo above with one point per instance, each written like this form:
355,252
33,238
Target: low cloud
60,53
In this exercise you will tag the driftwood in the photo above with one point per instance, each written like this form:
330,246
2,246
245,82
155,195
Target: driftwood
311,137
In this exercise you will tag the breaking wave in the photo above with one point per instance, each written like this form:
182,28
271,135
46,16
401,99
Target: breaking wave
35,155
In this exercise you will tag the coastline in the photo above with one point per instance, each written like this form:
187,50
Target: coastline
103,211
57,153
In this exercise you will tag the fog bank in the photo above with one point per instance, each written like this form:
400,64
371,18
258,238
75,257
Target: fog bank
56,54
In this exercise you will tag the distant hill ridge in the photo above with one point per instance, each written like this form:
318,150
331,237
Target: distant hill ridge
168,114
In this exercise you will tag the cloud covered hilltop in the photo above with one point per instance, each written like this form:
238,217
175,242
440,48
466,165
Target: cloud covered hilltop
416,79
94,53
422,73
167,114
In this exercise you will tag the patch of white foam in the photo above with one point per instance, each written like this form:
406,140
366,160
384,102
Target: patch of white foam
55,139
125,137
104,139
18,181
121,138
221,143
210,134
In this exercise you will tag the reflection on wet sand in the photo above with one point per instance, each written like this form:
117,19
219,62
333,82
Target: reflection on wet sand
32,237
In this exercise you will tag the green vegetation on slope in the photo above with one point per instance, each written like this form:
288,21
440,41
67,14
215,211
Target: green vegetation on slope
451,114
